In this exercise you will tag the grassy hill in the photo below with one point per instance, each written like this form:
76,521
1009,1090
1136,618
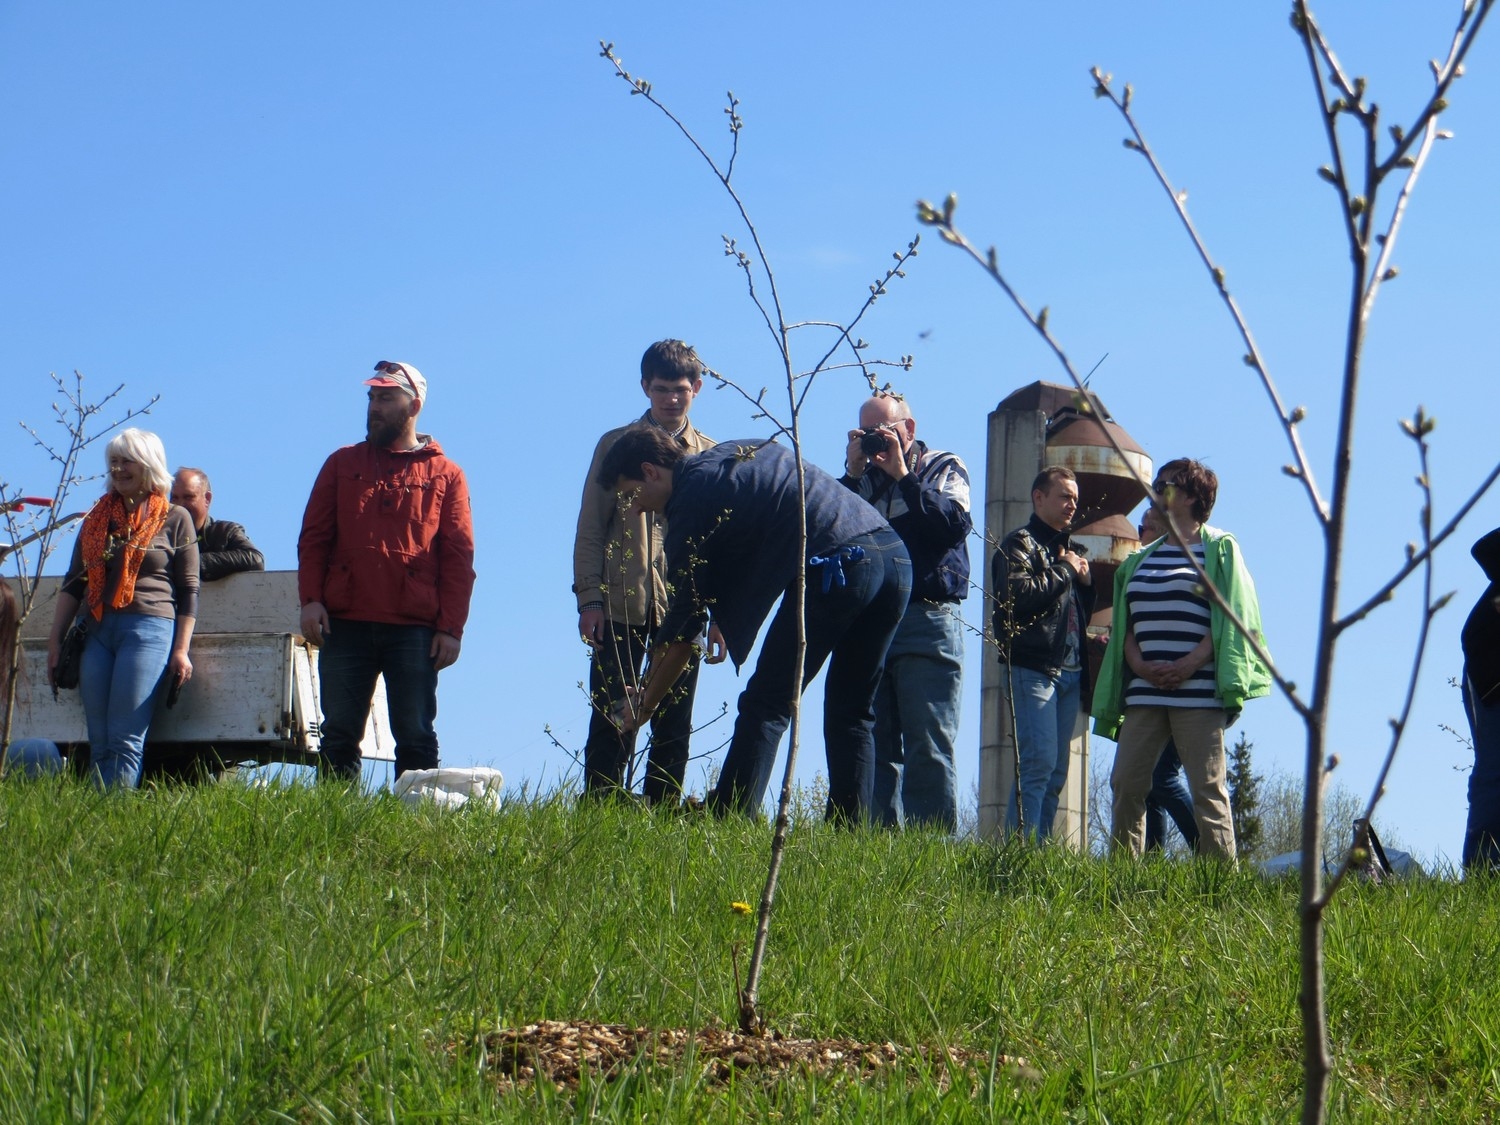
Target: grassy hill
299,954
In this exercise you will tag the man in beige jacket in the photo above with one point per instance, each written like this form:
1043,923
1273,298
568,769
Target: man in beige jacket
619,579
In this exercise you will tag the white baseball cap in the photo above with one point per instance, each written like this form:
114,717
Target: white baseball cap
402,376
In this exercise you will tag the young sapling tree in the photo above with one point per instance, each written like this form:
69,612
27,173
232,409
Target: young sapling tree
1364,161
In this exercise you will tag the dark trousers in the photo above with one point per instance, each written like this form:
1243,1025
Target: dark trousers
1482,837
181,763
1169,796
354,653
608,755
849,626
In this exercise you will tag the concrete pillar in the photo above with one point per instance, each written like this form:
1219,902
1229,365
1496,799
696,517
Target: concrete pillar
1017,442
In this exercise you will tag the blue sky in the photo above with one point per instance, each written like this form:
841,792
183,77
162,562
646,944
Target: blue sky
242,209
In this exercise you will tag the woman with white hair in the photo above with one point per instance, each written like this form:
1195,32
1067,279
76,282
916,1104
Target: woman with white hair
134,576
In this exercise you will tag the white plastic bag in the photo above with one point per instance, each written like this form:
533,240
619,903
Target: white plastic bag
451,787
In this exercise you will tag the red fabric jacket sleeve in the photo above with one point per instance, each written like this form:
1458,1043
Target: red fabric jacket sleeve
455,547
319,532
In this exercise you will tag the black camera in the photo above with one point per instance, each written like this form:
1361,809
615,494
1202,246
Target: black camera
872,441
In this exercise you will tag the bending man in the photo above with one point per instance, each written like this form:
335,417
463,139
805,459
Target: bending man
733,514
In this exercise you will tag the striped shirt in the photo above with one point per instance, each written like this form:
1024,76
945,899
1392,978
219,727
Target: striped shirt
1169,616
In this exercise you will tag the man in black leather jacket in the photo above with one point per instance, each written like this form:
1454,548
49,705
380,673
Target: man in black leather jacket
1044,596
223,547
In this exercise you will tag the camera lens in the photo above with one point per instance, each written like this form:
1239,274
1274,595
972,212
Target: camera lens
872,442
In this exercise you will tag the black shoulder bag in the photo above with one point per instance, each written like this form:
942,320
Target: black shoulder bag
70,658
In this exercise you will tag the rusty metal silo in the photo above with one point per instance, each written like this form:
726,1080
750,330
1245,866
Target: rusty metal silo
1039,425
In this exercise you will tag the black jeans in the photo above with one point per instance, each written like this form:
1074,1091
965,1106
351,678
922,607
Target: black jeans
1482,838
354,653
608,755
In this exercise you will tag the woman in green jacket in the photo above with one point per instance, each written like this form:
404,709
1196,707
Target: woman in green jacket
1176,668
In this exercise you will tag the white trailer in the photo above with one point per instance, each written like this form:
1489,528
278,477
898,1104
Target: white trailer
253,697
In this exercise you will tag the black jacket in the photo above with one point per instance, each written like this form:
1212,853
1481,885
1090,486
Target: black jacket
225,549
1481,635
1031,590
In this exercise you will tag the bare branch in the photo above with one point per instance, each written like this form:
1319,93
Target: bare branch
863,365
1303,22
1253,356
735,125
1339,96
743,260
775,319
1328,111
943,220
877,290
643,88
1419,558
1429,611
76,415
1381,272
21,542
1471,19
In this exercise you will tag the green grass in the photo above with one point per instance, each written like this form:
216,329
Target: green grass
300,954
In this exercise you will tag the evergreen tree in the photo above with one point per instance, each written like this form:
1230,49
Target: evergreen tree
1244,799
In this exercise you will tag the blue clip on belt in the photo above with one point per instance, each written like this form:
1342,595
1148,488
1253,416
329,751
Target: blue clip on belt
833,565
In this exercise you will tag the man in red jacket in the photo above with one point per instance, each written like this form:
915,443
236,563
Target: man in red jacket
385,569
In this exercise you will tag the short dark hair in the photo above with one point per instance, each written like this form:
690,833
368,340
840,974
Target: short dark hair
637,446
1197,480
1051,475
671,360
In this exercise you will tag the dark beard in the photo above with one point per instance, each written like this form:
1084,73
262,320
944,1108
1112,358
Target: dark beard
383,434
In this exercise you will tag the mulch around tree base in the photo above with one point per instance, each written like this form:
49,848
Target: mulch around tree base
559,1052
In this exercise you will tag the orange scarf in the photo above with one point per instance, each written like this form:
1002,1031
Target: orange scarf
109,528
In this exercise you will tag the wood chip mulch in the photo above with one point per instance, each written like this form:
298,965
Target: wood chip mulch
559,1051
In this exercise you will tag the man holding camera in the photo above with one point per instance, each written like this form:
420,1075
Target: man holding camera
924,495
1044,596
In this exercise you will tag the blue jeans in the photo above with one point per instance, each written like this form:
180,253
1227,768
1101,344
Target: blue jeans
1169,796
916,718
608,752
118,679
354,654
33,757
1046,711
1482,839
850,627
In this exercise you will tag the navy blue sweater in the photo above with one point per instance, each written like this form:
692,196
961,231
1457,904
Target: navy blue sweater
731,539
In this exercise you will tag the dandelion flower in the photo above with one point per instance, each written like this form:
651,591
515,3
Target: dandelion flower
740,907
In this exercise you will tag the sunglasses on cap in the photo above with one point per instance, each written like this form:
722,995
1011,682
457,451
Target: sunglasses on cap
396,371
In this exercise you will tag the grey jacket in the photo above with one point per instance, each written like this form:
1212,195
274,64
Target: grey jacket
619,563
